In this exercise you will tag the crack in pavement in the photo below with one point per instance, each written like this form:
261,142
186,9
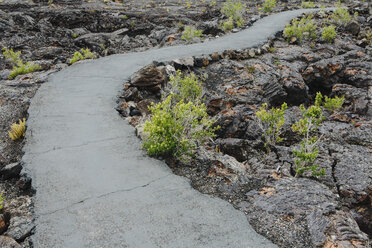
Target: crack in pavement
103,196
77,146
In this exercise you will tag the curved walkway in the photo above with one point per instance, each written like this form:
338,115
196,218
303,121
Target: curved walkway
96,188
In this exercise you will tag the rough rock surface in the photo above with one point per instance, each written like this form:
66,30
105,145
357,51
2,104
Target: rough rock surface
330,211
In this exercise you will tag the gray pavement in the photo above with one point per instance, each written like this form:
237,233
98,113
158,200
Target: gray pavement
96,187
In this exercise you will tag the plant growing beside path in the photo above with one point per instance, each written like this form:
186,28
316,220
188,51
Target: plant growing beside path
19,67
179,123
82,55
271,122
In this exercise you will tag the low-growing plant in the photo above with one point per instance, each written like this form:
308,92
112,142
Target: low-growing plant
19,67
228,25
307,4
82,55
184,88
1,201
234,9
329,34
271,122
269,5
341,15
308,152
180,122
17,130
307,128
191,32
333,104
301,28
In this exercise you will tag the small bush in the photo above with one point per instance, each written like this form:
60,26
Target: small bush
234,9
332,104
307,4
308,151
269,5
19,67
228,25
271,122
301,28
18,130
1,201
329,34
84,54
190,32
180,122
341,16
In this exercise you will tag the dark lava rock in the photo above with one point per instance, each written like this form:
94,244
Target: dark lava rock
353,27
11,170
301,213
149,76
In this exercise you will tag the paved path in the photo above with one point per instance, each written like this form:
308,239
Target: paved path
96,188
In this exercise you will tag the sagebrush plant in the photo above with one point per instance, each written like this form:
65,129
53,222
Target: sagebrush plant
191,32
234,9
271,122
179,123
329,34
269,5
303,28
307,4
19,67
17,130
341,15
82,55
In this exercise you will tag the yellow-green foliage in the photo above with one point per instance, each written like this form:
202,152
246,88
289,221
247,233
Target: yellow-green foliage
19,67
306,127
331,104
271,122
234,9
269,5
190,32
301,28
84,54
228,25
308,151
1,201
341,15
18,130
180,122
329,34
307,4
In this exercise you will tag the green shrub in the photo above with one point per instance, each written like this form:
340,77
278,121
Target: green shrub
329,34
331,104
190,32
228,25
17,130
301,28
307,154
234,9
271,122
269,5
307,4
341,15
19,67
180,122
1,201
84,54
306,127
